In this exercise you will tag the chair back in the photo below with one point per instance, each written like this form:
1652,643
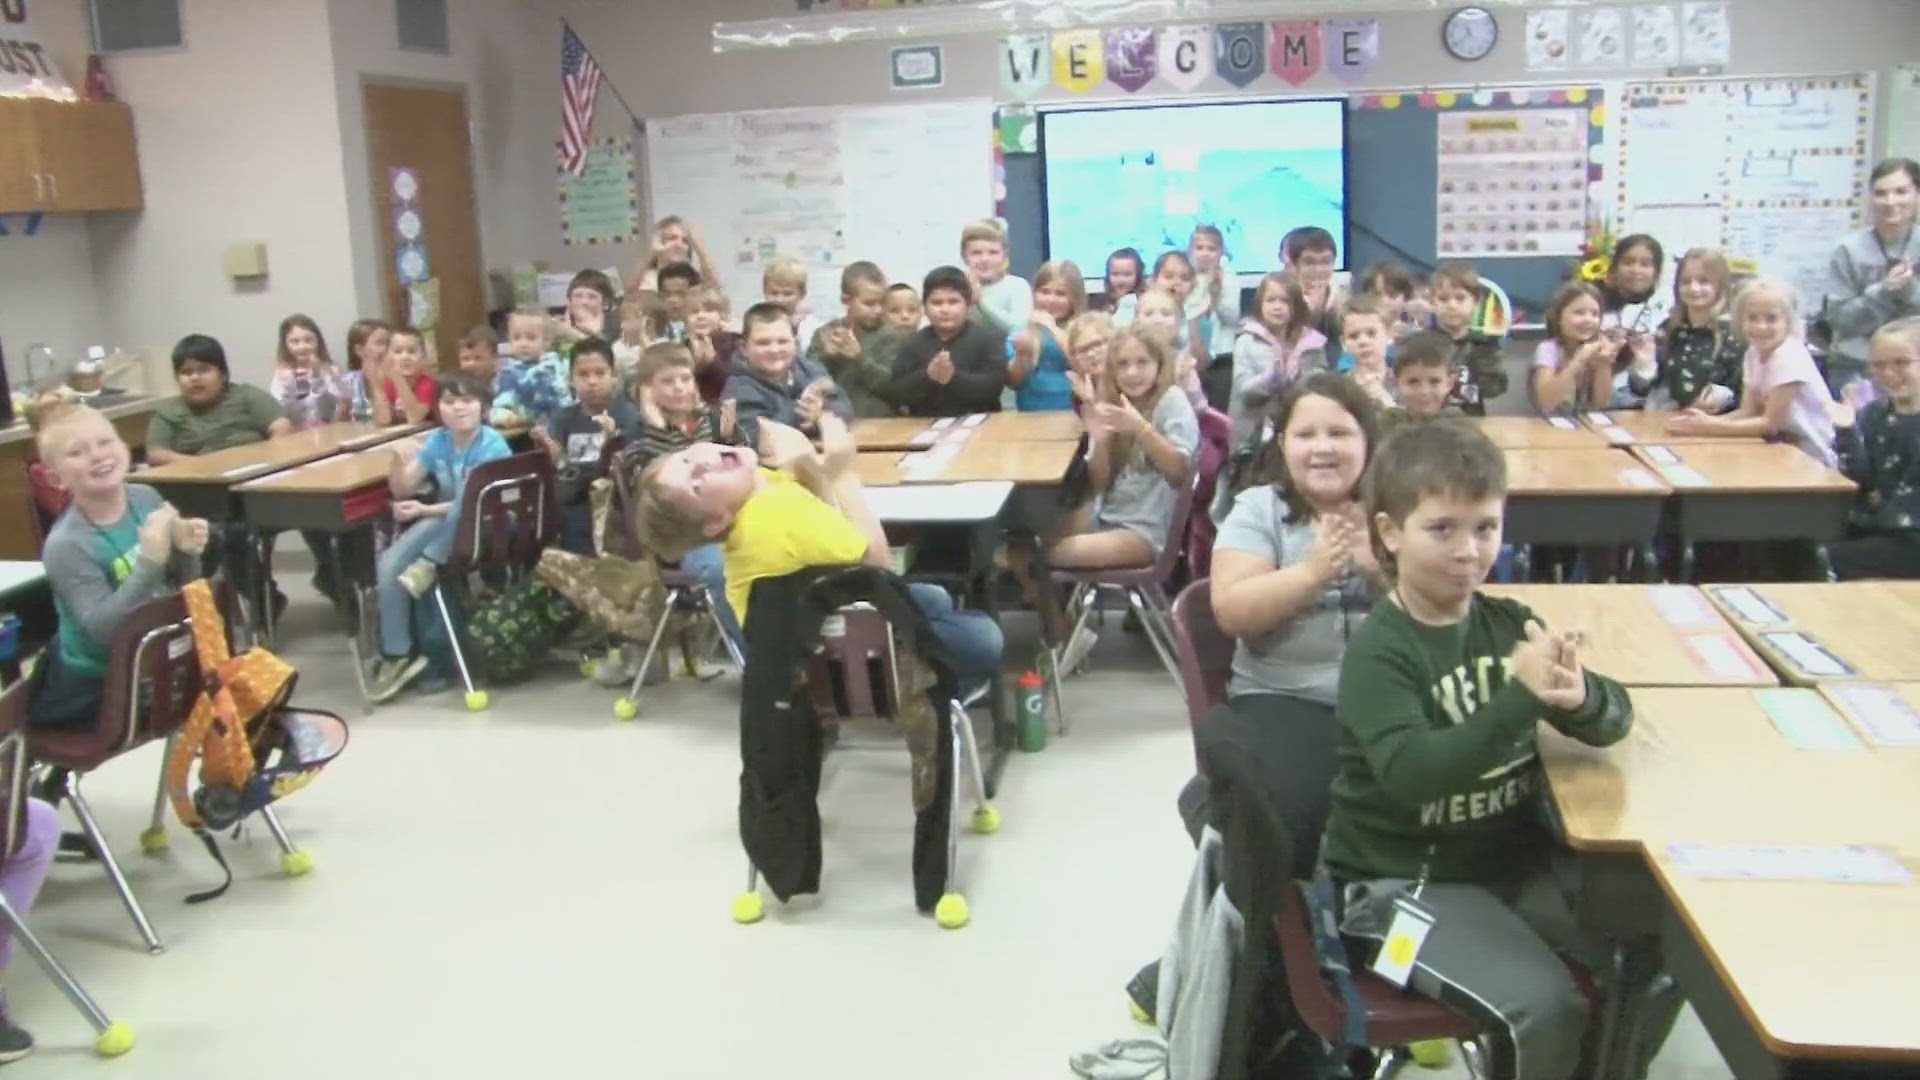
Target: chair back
13,767
1204,650
509,512
45,502
1216,443
1176,528
153,674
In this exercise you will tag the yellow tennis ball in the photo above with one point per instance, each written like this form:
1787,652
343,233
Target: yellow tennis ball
748,907
117,1039
951,912
476,700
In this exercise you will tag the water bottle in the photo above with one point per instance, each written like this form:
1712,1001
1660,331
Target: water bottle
1030,695
362,410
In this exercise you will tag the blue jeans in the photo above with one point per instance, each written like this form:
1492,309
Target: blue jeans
972,638
706,565
428,538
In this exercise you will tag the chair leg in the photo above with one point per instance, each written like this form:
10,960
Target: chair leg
91,826
964,724
153,840
653,646
1059,676
1391,1061
68,985
357,633
278,830
453,636
726,641
1475,1057
1151,625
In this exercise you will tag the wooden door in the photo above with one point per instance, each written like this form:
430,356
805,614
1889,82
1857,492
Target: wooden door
87,149
425,129
21,189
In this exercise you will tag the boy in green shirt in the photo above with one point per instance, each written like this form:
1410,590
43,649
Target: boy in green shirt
857,349
1423,381
1438,790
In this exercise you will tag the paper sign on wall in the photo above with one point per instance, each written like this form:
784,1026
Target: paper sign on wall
1352,47
601,204
1131,57
1186,56
1078,63
25,68
1294,48
1023,65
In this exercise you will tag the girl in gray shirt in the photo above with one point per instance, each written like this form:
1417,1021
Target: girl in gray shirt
1870,281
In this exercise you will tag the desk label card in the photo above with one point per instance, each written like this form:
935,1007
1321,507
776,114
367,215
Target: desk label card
1748,605
1804,719
1600,419
1563,423
1852,864
1682,605
1616,434
1662,455
1805,653
974,420
1638,478
1721,656
1684,476
1883,714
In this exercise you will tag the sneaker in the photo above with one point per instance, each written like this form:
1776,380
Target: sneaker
15,1043
616,668
392,675
418,577
1142,990
1075,653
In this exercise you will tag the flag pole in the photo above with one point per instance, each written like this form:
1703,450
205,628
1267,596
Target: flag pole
631,115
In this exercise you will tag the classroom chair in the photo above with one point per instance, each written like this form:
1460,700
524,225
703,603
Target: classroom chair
1216,445
852,643
509,514
45,502
111,1039
683,592
1205,650
1142,585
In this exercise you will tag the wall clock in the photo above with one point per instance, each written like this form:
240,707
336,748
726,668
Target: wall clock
1470,33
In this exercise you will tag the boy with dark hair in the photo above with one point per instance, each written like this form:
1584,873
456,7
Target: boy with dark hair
858,349
903,307
576,435
1478,371
677,282
774,382
480,352
1436,800
954,366
1310,252
1422,380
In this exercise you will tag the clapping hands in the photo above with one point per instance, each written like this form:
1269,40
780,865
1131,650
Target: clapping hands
1548,664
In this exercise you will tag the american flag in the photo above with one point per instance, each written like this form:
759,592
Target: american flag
579,86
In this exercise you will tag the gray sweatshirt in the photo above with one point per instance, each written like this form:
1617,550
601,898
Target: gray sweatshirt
1858,301
756,396
99,576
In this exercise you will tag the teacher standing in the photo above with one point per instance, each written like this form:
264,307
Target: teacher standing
1871,278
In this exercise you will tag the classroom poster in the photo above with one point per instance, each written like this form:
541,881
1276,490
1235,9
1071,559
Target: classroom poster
1547,33
601,204
787,165
1294,49
27,70
1602,38
1706,37
1656,36
1023,65
1512,183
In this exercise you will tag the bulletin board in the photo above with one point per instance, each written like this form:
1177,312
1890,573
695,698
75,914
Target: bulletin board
894,184
601,203
1768,170
1396,165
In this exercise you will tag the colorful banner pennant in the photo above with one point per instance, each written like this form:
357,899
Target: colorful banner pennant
1295,48
1023,65
1239,52
1131,59
1352,47
1186,56
1078,64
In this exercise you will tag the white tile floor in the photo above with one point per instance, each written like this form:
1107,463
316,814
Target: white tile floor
541,890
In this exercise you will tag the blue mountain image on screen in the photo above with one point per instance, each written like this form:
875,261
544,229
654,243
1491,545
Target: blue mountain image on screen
1095,207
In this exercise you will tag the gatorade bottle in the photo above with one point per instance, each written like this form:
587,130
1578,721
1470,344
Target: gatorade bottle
1030,695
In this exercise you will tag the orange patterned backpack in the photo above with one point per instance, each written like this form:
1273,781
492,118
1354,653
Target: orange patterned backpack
252,748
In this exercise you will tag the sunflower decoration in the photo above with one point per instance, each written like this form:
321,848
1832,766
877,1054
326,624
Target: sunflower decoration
1596,255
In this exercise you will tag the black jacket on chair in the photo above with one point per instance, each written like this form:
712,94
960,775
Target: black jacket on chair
780,735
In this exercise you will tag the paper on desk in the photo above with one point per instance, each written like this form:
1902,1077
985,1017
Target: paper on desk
1638,478
1662,455
1750,606
1600,419
942,422
1721,656
974,420
1683,476
1806,654
922,440
245,470
1806,721
1616,434
1682,605
1847,864
1882,713
1563,423
977,500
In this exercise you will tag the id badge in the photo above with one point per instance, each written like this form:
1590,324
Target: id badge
1412,922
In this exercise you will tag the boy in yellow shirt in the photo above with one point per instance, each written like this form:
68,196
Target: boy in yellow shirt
807,510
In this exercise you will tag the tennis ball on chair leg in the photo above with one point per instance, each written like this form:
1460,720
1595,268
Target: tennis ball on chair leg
625,708
296,863
153,841
748,907
117,1039
476,700
951,912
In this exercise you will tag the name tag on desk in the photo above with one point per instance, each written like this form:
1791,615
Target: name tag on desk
1748,605
1662,455
1562,423
1412,922
1805,653
1883,714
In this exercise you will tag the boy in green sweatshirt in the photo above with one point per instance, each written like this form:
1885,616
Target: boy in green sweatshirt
857,349
1439,784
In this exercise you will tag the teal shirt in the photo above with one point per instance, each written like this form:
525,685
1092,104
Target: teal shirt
98,577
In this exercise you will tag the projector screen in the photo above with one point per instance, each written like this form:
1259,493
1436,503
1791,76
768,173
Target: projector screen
1143,177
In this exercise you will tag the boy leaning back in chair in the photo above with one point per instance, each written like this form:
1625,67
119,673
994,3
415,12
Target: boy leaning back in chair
807,510
1437,797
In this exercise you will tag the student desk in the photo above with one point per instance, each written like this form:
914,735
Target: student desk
1598,496
1628,427
201,486
1872,628
1710,765
1647,635
899,432
1534,433
1745,491
1028,464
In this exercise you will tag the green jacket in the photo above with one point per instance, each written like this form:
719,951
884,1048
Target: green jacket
1438,764
867,378
1481,371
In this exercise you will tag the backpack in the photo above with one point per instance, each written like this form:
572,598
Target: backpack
513,630
252,749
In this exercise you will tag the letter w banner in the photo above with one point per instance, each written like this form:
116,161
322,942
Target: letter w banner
1295,48
1240,52
1353,46
1130,57
1023,65
1186,56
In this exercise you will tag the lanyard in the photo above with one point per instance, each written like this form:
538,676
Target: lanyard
1887,256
